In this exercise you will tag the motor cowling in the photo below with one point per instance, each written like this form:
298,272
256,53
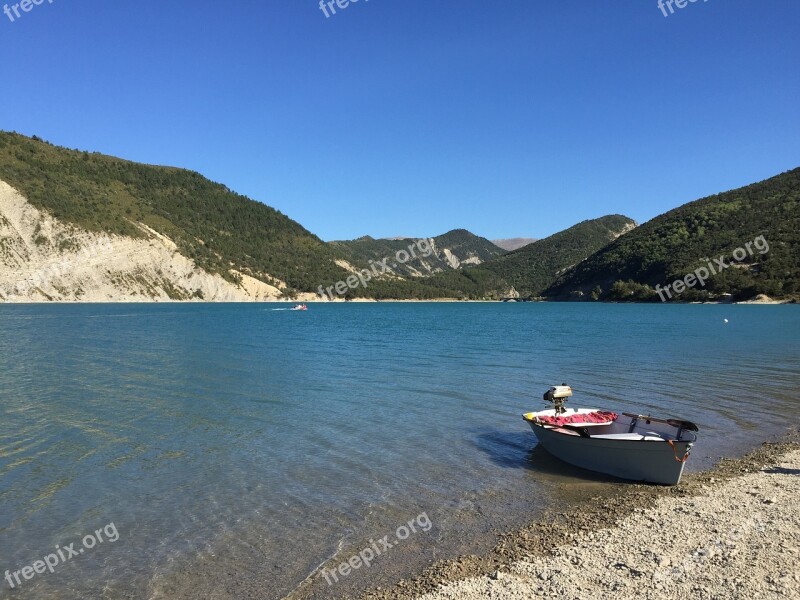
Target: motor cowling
557,396
558,392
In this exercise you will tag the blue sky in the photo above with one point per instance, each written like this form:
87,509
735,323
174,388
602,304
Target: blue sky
413,117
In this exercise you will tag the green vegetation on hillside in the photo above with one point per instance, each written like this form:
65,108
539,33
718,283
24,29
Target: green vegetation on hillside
534,267
680,241
220,229
224,231
216,227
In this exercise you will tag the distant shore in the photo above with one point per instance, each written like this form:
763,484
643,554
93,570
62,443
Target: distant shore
376,301
732,531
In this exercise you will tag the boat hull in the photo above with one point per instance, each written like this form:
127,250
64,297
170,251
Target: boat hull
637,460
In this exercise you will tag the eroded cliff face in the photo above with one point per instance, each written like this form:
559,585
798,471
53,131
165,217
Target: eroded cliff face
440,259
43,259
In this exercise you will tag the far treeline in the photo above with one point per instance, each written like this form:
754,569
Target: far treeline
601,259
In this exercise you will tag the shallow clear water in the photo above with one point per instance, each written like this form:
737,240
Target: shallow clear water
237,447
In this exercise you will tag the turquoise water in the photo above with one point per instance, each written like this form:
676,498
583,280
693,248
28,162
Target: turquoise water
237,448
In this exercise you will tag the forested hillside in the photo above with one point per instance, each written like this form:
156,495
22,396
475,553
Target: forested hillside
686,238
531,269
216,227
227,234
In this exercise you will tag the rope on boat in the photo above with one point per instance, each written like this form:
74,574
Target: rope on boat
675,451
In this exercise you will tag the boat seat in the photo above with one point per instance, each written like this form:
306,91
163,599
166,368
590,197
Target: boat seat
650,436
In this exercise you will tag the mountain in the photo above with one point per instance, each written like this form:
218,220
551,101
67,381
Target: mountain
513,243
81,226
531,269
226,235
690,237
452,250
44,259
462,248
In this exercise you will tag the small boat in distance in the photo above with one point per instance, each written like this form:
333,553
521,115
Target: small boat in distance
300,307
629,446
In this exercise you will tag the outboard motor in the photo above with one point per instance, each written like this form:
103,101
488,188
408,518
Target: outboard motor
557,396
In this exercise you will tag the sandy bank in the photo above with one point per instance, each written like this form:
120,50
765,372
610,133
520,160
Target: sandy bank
732,532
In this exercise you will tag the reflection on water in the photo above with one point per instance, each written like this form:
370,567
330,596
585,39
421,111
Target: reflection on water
238,448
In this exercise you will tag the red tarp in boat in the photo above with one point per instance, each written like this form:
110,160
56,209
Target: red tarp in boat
598,416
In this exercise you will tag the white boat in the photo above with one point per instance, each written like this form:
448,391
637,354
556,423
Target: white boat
629,446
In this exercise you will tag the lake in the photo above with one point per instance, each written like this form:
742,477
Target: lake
237,448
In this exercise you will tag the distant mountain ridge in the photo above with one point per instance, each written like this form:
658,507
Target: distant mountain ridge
511,244
452,250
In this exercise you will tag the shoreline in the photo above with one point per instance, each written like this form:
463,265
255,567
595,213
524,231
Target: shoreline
546,556
383,301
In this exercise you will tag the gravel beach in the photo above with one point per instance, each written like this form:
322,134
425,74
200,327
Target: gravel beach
731,532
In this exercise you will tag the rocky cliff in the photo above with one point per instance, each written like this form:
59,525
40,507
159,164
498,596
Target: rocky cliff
44,259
